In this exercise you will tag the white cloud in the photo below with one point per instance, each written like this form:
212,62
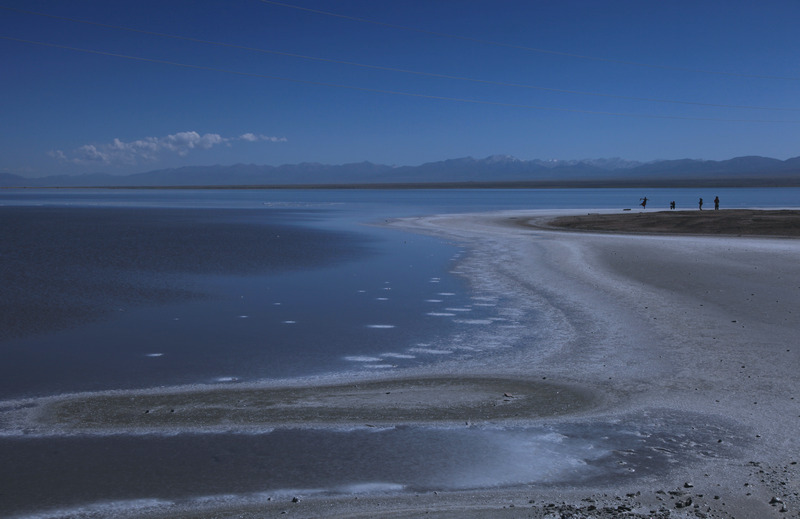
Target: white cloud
182,142
250,137
90,153
57,154
150,148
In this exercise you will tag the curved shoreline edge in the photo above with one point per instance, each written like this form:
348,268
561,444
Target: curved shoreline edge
701,327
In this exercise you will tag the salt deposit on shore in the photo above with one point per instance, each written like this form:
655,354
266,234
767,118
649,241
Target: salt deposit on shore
701,325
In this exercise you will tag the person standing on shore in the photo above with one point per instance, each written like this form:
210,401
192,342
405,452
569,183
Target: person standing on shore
701,204
716,203
644,202
672,205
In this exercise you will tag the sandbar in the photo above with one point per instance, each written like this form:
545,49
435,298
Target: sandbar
257,407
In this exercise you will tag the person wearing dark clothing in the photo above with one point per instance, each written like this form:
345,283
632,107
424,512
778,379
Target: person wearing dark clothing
701,204
716,203
672,205
644,202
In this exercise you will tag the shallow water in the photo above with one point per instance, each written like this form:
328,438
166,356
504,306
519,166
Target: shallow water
189,470
134,288
110,297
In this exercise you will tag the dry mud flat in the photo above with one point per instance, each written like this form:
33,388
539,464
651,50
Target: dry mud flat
676,354
735,222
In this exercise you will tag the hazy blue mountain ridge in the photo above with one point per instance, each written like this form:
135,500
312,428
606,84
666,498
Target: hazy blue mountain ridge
748,170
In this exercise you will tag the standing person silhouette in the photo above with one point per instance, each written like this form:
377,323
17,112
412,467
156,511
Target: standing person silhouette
701,204
716,203
672,205
644,202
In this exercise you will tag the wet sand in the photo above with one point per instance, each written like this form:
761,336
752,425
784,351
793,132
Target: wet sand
357,403
699,328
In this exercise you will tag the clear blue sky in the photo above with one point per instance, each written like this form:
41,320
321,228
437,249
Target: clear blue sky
393,82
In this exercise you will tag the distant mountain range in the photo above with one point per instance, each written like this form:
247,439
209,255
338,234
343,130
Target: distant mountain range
493,171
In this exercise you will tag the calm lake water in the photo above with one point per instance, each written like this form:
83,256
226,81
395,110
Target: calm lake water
125,289
136,288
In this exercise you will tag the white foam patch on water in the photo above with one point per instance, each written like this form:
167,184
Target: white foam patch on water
277,304
485,304
460,309
517,457
398,356
371,488
441,314
433,300
513,326
289,322
380,366
447,293
465,348
242,316
472,321
381,298
283,494
104,509
226,379
430,351
361,358
153,354
380,326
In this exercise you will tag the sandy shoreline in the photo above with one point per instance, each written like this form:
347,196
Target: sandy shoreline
685,336
731,222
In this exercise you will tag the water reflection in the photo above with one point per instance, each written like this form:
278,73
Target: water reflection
84,470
